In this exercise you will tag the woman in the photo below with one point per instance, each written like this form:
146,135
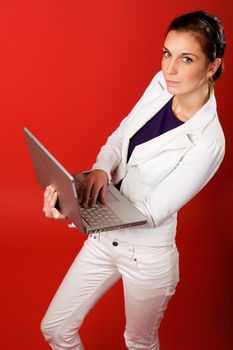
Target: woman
162,154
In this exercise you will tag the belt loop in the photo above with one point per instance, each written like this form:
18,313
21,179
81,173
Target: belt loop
96,236
133,252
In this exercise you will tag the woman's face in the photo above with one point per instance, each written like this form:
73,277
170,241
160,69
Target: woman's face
184,64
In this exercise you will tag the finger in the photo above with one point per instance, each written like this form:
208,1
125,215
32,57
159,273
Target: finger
86,194
81,191
46,207
57,215
47,211
94,194
53,200
48,214
48,189
103,194
50,201
48,194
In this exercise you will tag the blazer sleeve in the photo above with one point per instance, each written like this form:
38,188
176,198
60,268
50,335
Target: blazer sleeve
109,156
192,173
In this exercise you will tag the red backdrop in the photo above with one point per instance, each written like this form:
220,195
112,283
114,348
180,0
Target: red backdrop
70,71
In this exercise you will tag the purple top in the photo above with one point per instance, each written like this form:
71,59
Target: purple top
162,122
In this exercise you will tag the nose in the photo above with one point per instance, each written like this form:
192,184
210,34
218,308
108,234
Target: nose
171,67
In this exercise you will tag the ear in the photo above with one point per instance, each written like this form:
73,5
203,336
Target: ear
213,67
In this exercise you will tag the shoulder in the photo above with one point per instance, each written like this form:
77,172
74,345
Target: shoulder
210,145
214,131
205,126
157,83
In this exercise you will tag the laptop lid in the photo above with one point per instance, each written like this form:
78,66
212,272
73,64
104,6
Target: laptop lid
49,171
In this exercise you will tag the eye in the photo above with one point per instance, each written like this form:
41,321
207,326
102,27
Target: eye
166,54
187,59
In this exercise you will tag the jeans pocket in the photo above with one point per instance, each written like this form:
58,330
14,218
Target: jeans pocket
157,263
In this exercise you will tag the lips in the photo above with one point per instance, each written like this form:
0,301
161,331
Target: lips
172,82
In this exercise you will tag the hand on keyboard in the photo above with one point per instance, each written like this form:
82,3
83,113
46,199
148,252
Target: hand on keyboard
94,186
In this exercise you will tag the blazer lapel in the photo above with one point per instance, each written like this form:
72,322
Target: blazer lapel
173,139
143,114
146,112
180,137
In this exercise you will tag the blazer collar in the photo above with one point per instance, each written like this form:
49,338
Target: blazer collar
203,117
173,139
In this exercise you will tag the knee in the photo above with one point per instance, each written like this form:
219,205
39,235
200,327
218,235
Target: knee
136,341
51,330
58,334
52,334
47,329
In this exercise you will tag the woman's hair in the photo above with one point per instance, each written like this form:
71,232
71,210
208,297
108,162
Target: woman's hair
209,32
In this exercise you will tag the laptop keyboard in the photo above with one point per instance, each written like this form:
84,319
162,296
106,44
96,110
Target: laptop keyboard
99,216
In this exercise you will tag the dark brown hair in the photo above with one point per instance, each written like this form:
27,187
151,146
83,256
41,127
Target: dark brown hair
209,32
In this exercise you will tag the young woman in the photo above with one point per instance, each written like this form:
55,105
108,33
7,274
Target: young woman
162,154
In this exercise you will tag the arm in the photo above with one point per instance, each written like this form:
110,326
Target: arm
109,156
192,173
107,160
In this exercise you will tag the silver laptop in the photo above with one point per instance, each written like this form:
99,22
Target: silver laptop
118,212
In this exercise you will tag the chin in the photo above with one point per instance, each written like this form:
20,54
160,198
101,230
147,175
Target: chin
173,90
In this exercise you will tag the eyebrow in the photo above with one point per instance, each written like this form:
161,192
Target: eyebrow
183,53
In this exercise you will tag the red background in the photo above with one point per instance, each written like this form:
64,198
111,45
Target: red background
70,71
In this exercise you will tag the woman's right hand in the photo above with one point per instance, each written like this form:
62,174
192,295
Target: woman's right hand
50,199
94,186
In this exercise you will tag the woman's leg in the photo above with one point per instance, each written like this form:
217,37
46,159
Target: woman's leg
148,286
90,276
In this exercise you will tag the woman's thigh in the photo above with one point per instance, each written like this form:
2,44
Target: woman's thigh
148,286
89,277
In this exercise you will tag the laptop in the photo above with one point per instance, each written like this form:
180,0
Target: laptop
117,213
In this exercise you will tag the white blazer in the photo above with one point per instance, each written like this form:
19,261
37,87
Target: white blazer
164,173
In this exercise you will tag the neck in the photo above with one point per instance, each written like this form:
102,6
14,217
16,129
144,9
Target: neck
186,105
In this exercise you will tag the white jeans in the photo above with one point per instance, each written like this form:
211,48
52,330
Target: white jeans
149,276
